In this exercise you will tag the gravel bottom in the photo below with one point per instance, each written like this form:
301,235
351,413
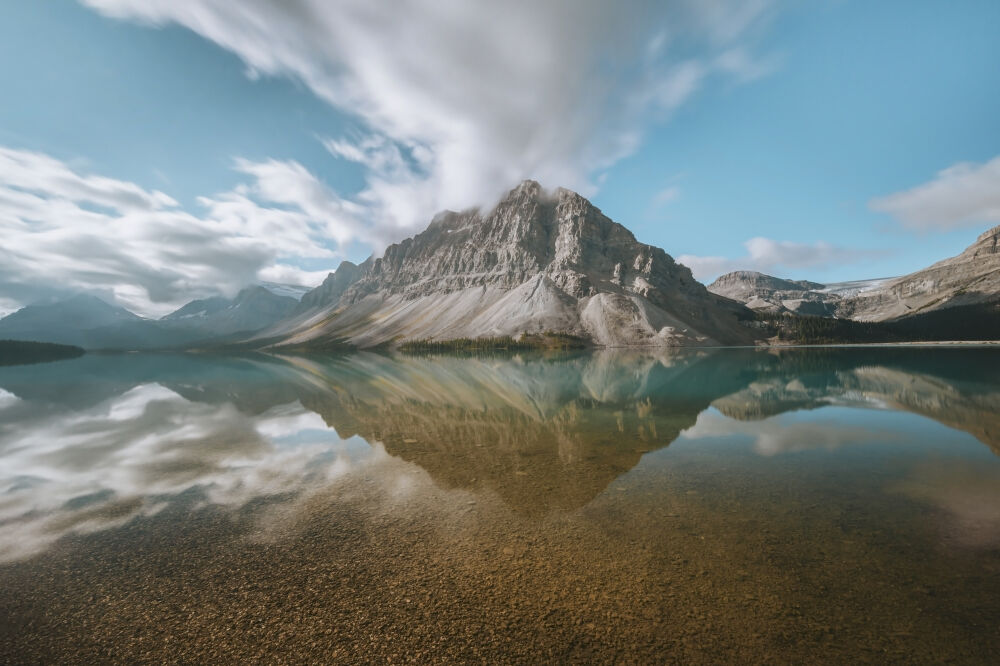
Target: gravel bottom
678,561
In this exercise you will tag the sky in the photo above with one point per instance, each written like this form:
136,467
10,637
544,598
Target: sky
157,151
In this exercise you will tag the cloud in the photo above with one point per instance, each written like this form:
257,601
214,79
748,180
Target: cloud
65,231
772,256
289,183
36,172
457,101
962,195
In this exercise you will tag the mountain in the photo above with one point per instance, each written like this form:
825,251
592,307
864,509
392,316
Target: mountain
333,287
971,279
967,284
252,309
771,294
91,323
84,321
537,262
199,309
766,293
77,312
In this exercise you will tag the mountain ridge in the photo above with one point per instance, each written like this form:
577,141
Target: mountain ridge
970,279
252,309
541,262
91,323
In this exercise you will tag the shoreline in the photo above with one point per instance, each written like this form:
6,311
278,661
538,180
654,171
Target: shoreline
929,343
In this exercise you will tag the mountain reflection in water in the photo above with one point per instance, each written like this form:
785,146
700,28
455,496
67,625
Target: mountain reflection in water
92,442
93,445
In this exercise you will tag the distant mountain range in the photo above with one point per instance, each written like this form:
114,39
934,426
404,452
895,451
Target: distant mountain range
538,263
253,308
91,323
767,293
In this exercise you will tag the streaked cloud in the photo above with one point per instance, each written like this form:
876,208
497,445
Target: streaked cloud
25,172
68,231
457,101
962,195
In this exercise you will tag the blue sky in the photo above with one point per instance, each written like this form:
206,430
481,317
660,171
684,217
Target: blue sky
191,146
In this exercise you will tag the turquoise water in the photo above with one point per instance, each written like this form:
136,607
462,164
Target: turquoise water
798,505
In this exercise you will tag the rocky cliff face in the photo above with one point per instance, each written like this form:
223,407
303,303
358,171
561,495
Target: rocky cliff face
333,287
971,278
537,262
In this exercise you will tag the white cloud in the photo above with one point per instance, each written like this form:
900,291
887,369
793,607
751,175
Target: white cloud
457,100
289,183
461,100
772,256
285,274
36,172
65,231
962,195
7,306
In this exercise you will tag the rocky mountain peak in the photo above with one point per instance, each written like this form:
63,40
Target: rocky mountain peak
333,287
558,234
538,260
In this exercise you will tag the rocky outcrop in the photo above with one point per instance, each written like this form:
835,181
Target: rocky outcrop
536,262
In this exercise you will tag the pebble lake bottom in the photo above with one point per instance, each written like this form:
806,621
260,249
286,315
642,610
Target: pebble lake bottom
782,506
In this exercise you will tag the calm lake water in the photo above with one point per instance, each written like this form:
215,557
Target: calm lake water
813,505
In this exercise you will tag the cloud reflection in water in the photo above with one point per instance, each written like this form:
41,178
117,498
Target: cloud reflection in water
99,468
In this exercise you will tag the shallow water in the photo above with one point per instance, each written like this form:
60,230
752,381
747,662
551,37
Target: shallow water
825,505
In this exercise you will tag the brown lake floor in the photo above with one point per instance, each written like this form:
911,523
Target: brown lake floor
694,556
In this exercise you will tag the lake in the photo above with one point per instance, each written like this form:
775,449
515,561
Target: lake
803,505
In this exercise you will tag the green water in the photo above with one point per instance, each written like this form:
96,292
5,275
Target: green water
820,506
